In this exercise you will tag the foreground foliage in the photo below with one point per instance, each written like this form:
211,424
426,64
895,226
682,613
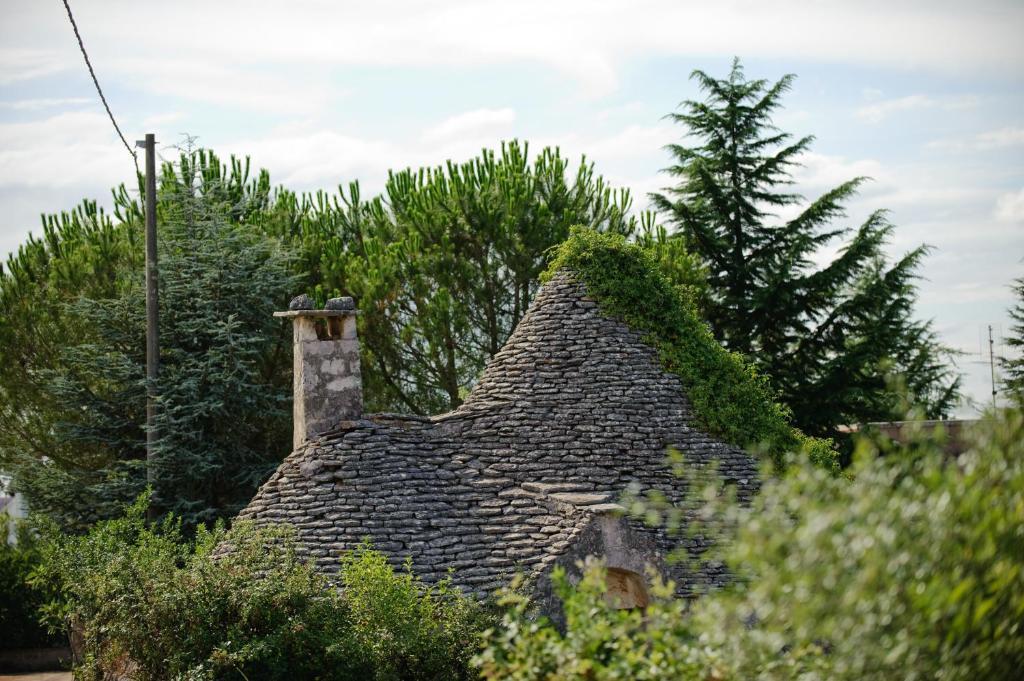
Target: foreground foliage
730,398
21,597
151,603
599,642
827,336
912,568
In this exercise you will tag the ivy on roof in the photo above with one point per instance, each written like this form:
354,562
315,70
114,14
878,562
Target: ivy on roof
730,399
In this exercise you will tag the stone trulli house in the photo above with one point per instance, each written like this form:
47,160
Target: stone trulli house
524,476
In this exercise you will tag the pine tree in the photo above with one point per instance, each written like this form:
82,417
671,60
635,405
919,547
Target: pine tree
827,336
1013,367
445,262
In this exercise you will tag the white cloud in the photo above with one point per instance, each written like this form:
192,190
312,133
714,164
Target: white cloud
305,157
631,141
628,109
50,164
161,120
879,110
821,172
999,139
63,150
477,122
225,84
941,192
80,149
874,113
1003,138
27,64
604,35
45,103
1010,207
319,159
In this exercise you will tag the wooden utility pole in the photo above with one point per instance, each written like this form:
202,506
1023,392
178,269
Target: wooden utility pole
992,363
152,309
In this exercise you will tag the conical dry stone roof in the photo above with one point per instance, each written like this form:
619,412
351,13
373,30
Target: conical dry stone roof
525,474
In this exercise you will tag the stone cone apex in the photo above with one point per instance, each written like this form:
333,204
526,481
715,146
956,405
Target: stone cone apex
327,382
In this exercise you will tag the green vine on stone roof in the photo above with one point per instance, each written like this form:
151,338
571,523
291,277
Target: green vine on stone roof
731,400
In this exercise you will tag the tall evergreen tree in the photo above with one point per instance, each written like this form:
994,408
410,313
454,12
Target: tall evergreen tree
827,336
1013,367
223,409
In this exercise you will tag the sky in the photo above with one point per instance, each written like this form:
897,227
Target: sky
926,98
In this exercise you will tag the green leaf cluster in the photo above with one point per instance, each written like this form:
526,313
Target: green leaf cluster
444,262
730,398
244,604
599,643
915,568
21,597
225,360
81,253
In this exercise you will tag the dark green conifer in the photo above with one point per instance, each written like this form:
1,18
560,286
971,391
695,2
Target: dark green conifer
1013,367
223,414
829,335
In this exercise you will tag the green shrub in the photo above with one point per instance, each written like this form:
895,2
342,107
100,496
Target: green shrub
912,567
242,604
600,643
408,630
21,598
730,399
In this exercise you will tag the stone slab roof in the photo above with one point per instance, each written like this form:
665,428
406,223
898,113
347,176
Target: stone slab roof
572,410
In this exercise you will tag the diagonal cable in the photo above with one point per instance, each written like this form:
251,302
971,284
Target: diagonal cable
96,82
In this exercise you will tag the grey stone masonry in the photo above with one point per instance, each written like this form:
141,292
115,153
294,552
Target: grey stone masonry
525,475
327,383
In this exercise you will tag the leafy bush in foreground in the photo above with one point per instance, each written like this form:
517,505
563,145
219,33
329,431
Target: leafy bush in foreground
159,607
599,643
912,568
20,597
406,630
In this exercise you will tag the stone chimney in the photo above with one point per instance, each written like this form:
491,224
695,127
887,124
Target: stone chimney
327,384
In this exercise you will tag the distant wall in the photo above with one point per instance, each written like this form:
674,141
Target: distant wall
12,508
901,431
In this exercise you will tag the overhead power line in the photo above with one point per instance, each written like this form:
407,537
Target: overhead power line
96,82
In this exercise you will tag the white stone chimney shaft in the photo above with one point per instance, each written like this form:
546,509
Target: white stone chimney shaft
327,381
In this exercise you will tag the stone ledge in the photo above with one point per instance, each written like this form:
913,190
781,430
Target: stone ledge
581,499
316,313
